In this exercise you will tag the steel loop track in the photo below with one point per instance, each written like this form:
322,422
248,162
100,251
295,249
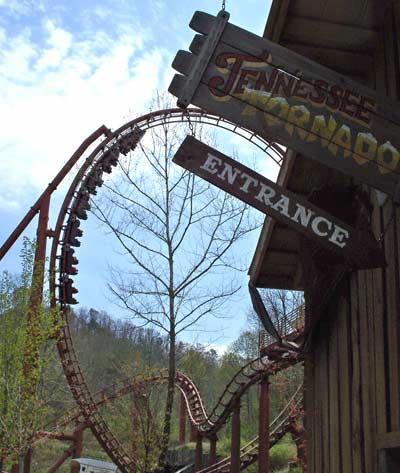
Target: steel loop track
62,260
249,453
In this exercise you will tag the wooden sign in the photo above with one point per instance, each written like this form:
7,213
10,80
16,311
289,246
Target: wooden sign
290,99
357,248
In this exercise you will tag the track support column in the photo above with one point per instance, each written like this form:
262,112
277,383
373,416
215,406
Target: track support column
193,434
263,427
235,439
28,461
78,442
182,421
198,462
213,449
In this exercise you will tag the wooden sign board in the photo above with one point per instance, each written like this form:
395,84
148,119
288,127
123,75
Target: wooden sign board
358,249
290,99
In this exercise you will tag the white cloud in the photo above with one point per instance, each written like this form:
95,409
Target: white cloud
220,348
59,42
53,96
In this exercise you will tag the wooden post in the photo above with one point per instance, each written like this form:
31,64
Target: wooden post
198,462
235,440
213,449
182,421
263,427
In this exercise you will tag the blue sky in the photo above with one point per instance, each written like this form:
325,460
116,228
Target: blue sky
68,67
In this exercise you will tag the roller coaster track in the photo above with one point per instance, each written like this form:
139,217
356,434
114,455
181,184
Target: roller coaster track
249,453
63,262
278,428
193,400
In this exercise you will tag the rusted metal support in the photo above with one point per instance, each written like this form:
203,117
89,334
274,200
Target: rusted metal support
198,461
235,440
40,255
193,433
28,461
182,421
78,440
62,436
36,207
33,324
299,436
134,422
213,449
263,427
61,460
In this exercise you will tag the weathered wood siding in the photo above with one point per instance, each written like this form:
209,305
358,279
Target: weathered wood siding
353,373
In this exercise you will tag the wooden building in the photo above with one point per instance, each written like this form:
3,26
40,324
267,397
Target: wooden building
352,386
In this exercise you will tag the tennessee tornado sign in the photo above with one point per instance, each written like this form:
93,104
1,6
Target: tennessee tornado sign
285,97
357,248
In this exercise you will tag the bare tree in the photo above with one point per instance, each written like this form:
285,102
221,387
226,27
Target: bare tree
176,234
280,304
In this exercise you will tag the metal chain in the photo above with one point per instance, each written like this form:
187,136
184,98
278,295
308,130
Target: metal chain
223,5
191,127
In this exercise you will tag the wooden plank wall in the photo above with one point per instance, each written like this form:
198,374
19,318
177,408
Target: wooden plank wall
353,374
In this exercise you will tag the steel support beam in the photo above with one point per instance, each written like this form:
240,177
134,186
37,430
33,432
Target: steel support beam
198,462
28,461
192,433
182,421
213,449
235,439
263,427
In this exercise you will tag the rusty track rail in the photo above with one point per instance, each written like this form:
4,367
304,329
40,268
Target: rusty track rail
249,452
63,268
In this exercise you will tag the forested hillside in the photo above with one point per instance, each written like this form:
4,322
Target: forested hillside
116,351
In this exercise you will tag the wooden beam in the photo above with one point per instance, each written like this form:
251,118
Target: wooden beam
276,20
346,62
330,35
276,281
282,257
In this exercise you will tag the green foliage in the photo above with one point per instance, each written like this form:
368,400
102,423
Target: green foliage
24,355
246,345
281,454
111,350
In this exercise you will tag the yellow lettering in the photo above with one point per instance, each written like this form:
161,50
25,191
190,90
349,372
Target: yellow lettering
388,158
282,106
298,117
255,99
321,129
342,139
365,148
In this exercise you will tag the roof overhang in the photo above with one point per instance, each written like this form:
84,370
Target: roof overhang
343,36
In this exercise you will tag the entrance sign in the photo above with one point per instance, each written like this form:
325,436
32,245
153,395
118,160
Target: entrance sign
288,98
357,248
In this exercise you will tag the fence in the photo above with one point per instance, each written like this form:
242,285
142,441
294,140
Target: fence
286,325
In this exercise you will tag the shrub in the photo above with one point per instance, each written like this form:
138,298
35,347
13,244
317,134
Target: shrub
281,455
